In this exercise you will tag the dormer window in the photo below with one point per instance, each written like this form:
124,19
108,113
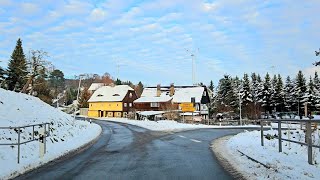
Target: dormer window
99,95
116,95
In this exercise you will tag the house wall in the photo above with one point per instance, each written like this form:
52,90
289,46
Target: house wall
112,109
162,106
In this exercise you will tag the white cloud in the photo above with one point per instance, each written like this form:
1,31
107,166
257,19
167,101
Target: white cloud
207,7
29,9
97,15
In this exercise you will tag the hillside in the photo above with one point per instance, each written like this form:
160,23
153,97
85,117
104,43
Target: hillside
66,134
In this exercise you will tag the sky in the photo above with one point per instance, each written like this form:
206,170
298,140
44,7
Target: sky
152,41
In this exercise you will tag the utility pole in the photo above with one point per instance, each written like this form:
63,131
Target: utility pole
193,57
75,108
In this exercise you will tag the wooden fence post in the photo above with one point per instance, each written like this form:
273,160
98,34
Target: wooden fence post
280,137
261,130
309,142
18,145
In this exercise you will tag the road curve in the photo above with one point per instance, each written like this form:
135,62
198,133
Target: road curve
129,152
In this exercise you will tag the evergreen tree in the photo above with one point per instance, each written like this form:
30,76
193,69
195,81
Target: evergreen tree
288,94
211,86
1,77
83,99
255,85
246,95
266,93
118,82
310,96
225,95
279,94
317,89
57,81
273,92
299,90
317,63
17,69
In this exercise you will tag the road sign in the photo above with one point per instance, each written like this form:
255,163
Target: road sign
187,107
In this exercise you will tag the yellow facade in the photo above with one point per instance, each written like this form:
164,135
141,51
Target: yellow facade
105,109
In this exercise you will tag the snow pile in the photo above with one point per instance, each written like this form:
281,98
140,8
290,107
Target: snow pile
292,163
18,109
169,125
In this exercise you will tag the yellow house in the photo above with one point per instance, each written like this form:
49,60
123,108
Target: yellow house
111,101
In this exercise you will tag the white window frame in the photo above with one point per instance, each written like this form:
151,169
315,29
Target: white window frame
130,95
124,104
130,104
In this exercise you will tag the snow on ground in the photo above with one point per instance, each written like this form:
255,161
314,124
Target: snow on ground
292,163
66,134
169,125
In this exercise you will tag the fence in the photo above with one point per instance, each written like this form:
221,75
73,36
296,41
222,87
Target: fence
308,136
19,128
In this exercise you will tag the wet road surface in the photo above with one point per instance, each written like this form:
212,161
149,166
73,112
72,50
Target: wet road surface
129,152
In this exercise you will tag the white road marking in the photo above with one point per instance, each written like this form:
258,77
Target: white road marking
181,136
194,140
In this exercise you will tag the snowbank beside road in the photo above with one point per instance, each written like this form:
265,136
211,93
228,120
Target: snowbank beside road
169,125
292,163
66,135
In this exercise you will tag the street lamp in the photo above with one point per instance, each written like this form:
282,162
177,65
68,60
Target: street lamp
240,87
80,77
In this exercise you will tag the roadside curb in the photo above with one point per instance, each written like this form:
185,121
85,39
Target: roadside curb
68,154
224,158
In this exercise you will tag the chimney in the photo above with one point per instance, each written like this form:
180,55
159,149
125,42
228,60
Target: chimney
171,89
158,90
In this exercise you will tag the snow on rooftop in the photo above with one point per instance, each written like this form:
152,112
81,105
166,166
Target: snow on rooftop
181,94
95,86
146,99
110,94
150,113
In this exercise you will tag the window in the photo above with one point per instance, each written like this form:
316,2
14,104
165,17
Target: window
116,95
125,105
99,95
130,95
154,104
204,93
130,104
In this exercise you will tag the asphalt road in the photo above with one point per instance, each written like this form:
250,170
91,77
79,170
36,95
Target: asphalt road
130,152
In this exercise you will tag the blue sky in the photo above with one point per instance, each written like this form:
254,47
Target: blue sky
149,39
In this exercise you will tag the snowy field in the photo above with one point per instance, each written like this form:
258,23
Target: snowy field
18,109
292,163
169,125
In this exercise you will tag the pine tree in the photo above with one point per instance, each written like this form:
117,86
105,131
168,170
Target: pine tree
83,99
1,77
265,94
273,92
17,69
246,95
224,96
211,86
288,94
310,96
255,84
118,82
316,83
299,90
279,94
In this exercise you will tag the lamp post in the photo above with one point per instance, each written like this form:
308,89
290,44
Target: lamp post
75,108
240,101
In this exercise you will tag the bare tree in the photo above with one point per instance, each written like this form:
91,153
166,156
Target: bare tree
37,65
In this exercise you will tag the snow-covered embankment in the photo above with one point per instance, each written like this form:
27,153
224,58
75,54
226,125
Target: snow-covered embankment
265,162
66,134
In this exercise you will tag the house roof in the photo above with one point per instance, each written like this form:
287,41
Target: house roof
147,99
95,86
110,94
181,94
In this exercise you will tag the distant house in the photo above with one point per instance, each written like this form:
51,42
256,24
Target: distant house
94,86
179,95
111,101
149,103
